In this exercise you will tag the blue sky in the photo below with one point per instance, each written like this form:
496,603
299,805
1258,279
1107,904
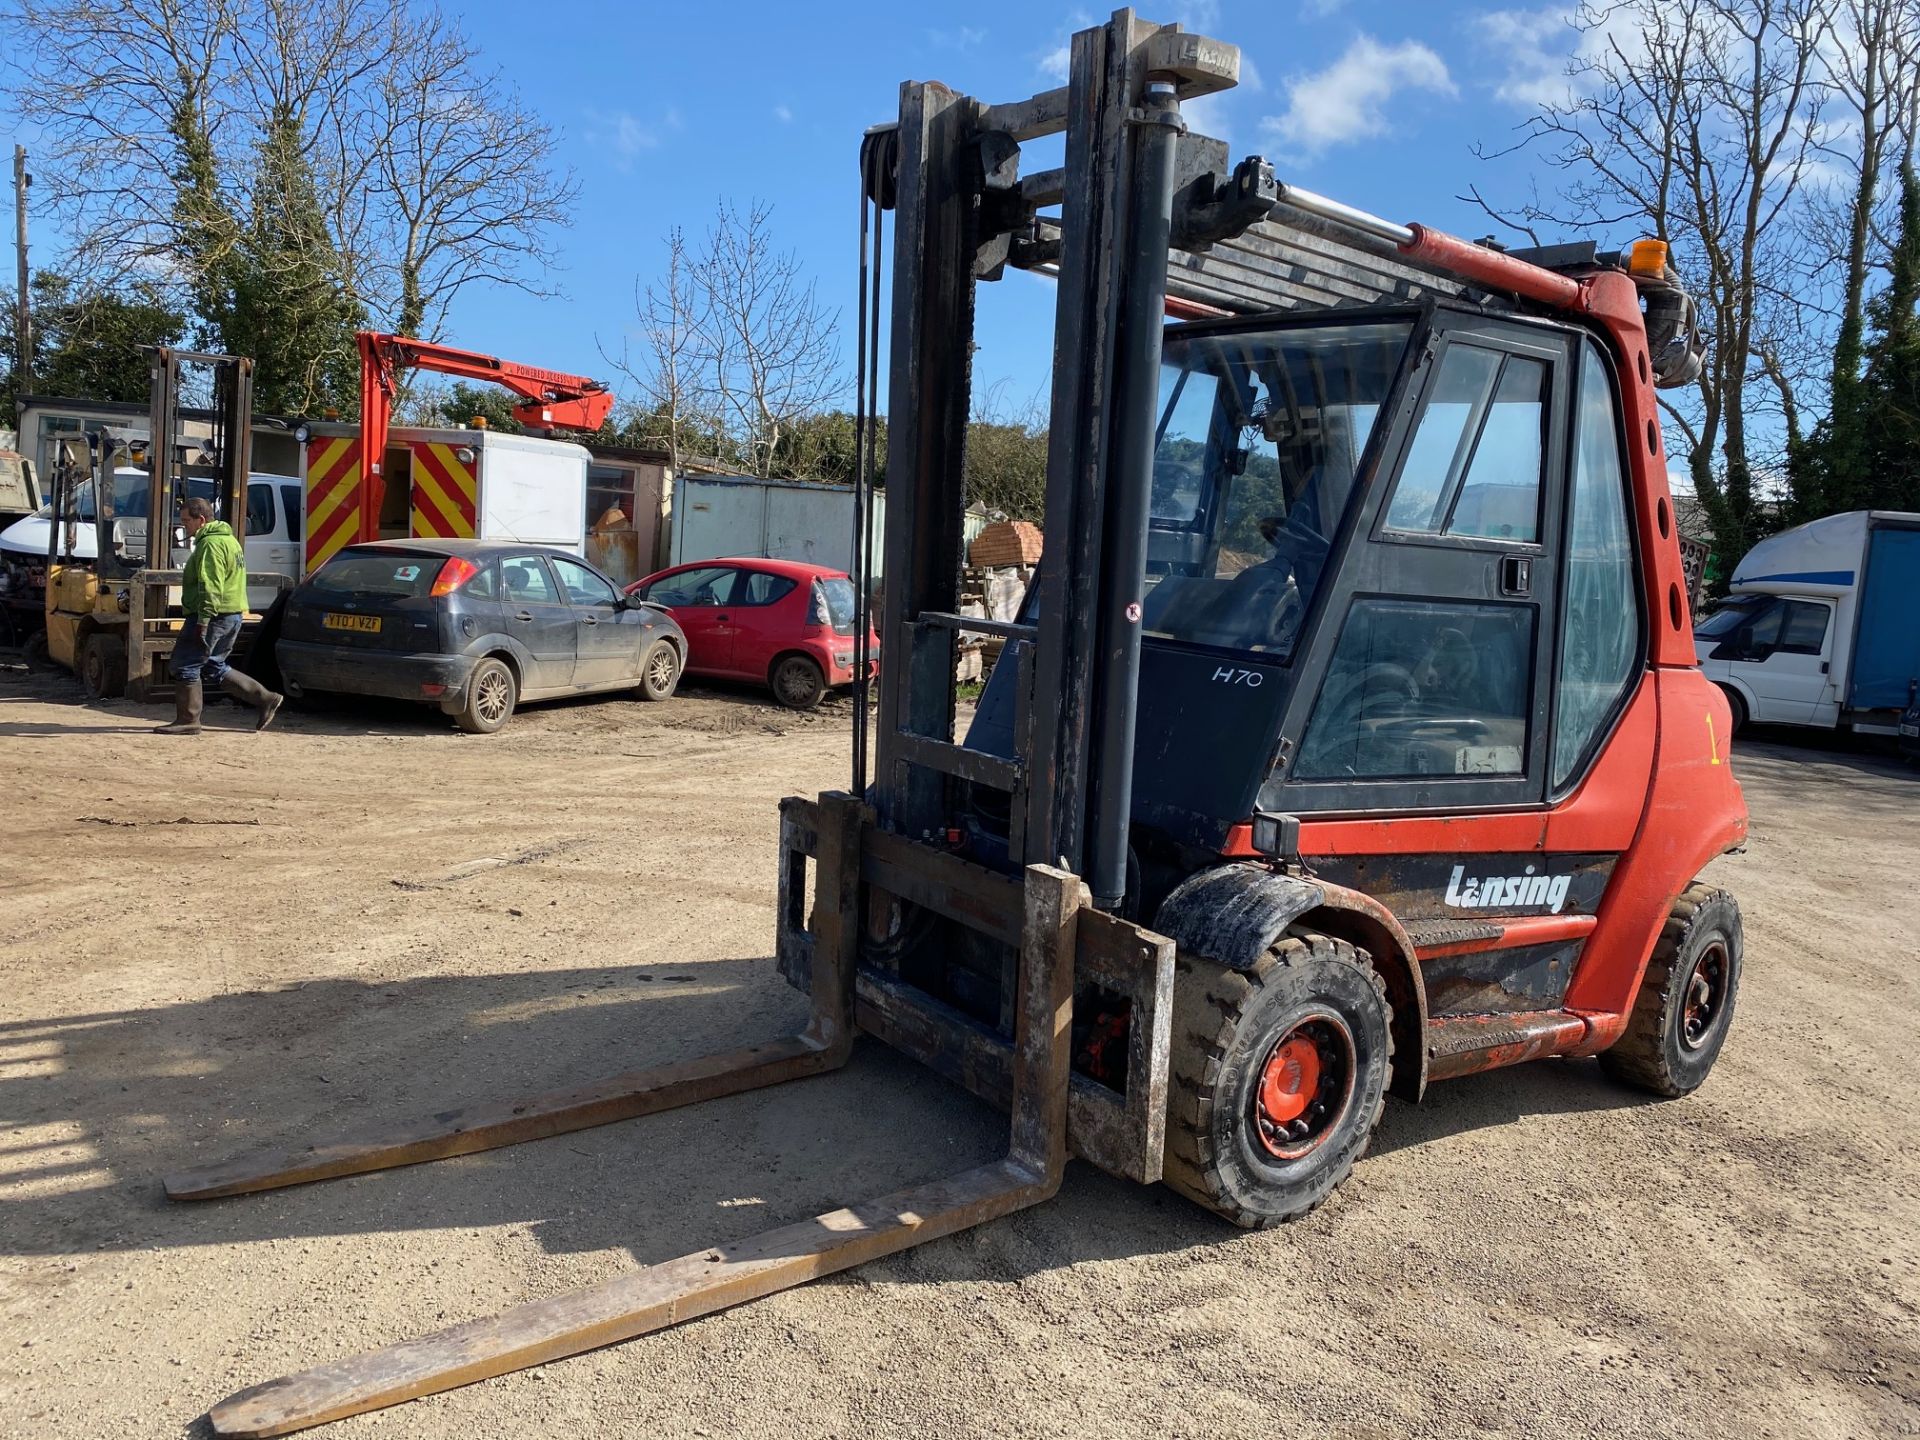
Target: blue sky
663,109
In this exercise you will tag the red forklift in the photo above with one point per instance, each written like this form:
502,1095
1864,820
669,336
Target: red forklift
1352,739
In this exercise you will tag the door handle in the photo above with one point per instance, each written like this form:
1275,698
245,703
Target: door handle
1516,575
523,614
590,619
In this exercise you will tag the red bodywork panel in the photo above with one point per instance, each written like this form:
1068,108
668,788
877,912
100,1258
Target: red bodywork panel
1661,796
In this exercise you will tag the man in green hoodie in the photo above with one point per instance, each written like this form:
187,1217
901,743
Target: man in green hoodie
214,596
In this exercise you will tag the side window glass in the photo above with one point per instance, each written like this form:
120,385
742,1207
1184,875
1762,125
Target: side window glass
259,510
1765,626
1803,628
292,506
482,586
706,585
583,586
761,588
527,581
1475,463
1423,687
1600,624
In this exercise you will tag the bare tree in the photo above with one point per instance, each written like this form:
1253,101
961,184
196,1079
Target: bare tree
1699,120
429,171
462,177
769,348
670,400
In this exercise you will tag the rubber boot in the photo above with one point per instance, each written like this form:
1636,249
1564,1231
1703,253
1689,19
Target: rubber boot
246,688
186,709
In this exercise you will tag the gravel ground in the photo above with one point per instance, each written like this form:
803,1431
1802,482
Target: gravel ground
362,916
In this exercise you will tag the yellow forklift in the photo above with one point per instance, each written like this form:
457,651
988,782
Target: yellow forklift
112,614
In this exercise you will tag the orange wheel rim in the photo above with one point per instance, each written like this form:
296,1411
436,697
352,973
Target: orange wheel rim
1292,1076
1304,1087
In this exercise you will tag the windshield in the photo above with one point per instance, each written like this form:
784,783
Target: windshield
839,597
1730,615
1257,449
399,574
129,496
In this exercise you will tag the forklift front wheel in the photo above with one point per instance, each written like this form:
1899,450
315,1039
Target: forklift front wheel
1684,1009
1279,1077
103,666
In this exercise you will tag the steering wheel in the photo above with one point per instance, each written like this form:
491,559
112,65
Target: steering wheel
1375,685
1451,664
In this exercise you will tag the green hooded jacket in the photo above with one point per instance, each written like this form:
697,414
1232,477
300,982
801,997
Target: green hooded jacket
215,580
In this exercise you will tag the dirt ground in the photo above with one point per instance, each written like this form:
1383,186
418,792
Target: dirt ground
211,945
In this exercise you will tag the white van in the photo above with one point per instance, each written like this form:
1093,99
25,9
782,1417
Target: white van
274,511
1822,625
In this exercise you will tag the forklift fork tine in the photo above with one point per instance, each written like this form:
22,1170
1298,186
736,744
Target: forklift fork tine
652,1299
824,1045
491,1125
715,1279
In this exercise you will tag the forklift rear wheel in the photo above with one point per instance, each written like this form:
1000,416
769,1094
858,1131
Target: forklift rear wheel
103,666
798,683
1279,1077
1684,1009
36,654
491,694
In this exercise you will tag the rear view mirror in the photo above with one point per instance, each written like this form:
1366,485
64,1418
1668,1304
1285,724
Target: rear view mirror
1743,642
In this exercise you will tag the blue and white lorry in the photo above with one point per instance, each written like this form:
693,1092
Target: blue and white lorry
1822,625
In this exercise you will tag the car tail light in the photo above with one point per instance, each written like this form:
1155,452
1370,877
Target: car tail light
455,573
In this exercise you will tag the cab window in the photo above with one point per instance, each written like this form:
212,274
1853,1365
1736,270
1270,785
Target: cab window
1474,466
582,585
702,585
757,587
1600,617
260,510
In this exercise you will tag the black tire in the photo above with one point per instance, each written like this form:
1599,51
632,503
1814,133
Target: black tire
797,682
1739,708
35,653
103,666
1684,1009
492,692
1231,1029
659,671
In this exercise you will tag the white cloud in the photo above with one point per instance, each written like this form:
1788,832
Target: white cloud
783,113
1546,53
628,135
1321,9
966,37
1538,46
1055,61
1348,100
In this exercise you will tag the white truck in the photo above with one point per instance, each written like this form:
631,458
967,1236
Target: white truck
1822,625
444,484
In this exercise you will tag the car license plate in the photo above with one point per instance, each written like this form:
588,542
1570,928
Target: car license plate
1910,729
369,623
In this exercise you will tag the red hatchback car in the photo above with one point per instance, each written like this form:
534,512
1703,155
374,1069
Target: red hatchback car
782,623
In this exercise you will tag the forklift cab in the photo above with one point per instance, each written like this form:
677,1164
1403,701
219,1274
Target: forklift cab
1389,572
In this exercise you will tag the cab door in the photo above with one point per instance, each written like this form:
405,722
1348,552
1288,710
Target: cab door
1428,684
268,548
699,599
1784,654
540,620
606,652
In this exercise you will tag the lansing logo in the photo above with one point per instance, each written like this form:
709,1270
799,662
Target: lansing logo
1491,891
